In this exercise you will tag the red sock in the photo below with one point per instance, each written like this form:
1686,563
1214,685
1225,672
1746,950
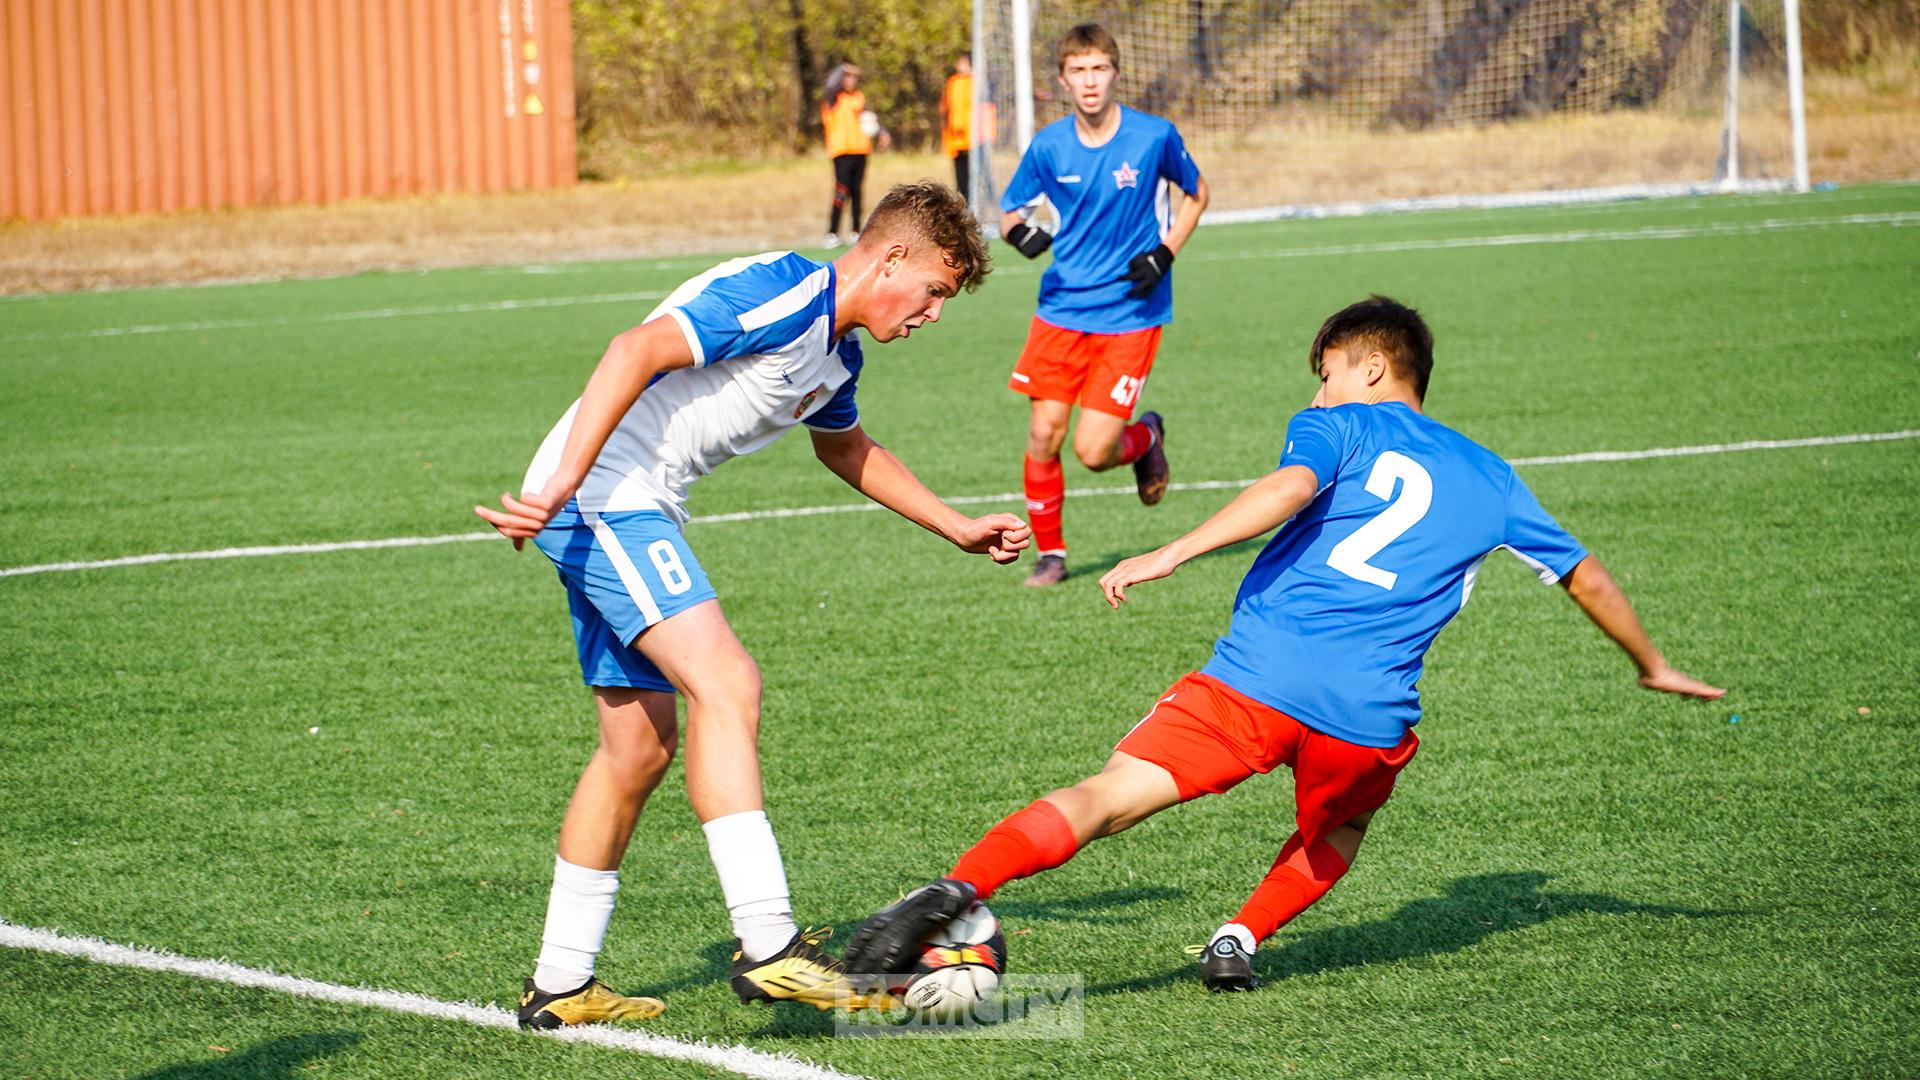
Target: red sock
1046,487
1135,440
1298,878
1027,842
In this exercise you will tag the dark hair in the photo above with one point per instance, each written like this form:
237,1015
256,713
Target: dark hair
1379,324
1083,39
936,213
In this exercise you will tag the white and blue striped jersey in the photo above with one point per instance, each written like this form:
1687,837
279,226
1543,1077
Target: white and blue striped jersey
761,331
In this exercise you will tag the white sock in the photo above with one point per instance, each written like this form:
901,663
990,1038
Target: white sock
577,914
1234,930
747,858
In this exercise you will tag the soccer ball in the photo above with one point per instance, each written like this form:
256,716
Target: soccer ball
870,123
960,966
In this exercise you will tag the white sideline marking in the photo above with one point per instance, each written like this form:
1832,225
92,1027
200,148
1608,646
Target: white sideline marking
962,500
1579,236
744,1060
336,316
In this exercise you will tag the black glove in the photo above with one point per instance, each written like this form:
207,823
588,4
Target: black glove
1145,271
1031,241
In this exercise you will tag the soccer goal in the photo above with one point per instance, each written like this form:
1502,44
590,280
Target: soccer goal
1317,107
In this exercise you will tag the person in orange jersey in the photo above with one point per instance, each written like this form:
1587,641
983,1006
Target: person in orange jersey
956,121
851,131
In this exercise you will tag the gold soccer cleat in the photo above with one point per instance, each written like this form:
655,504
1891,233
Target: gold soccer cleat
805,973
589,1004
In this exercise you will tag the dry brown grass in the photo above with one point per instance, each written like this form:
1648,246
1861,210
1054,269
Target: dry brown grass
1861,128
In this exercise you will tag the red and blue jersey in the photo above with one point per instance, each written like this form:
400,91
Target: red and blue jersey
1333,620
1113,204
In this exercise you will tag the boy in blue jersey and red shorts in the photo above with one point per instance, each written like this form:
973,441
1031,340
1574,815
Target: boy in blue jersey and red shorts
1108,171
1385,517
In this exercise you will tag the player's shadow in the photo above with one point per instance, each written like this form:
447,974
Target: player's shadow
288,1056
716,965
1101,907
1474,908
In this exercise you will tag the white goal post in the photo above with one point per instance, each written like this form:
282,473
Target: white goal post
1297,108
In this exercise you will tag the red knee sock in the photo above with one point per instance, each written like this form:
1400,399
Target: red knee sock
1046,487
1135,440
1299,876
1027,842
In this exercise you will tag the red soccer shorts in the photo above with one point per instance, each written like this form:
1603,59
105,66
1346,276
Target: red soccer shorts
1102,372
1210,737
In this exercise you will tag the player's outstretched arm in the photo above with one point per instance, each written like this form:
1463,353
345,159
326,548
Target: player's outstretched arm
1265,505
1606,604
871,470
631,361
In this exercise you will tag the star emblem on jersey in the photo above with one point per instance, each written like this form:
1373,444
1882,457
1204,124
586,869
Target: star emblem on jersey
1126,176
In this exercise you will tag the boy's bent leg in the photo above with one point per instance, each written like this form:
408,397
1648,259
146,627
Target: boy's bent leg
1042,479
637,737
698,651
1051,829
1301,874
638,734
1041,836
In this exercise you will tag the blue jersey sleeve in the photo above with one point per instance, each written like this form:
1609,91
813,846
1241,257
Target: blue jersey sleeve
731,316
1536,538
1315,439
840,413
1025,185
1176,164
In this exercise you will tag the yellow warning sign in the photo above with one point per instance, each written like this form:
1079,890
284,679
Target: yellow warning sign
532,106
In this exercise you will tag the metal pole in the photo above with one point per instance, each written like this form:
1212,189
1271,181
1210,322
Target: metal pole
1732,179
1796,97
977,150
1022,15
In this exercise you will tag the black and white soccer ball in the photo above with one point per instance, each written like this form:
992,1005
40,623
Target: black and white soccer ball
960,966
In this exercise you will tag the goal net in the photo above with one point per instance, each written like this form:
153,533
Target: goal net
1309,107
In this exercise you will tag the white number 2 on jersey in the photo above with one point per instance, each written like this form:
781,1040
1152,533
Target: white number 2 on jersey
1350,556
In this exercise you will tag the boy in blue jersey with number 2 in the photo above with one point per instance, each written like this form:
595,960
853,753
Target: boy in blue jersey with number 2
1385,517
728,363
1110,173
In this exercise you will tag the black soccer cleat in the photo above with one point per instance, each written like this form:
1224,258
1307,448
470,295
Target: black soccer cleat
1150,471
591,1002
888,943
1226,967
1051,570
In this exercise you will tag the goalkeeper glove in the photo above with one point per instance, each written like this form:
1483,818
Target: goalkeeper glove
1029,240
1146,270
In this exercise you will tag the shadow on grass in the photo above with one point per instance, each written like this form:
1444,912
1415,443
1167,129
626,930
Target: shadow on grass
1101,907
1473,909
282,1057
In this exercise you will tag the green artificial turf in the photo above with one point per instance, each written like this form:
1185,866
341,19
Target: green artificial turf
1575,877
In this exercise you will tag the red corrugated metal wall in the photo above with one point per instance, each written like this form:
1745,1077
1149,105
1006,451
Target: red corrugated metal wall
134,106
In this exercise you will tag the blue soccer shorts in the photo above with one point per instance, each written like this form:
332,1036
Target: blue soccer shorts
624,570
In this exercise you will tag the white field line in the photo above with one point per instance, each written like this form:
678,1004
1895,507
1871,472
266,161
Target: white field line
336,316
962,500
1579,236
743,1060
